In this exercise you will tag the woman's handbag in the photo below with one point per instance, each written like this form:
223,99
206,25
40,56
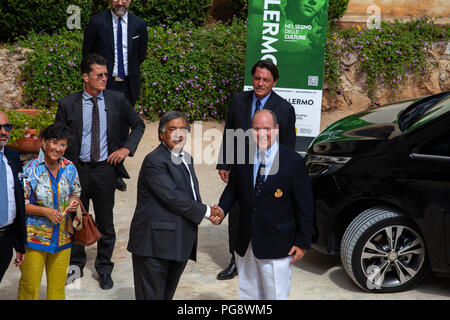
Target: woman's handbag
86,232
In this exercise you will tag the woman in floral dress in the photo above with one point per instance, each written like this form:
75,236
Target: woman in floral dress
52,188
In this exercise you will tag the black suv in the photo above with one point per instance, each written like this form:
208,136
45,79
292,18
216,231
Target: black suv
381,182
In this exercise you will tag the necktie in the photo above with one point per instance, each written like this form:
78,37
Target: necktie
260,175
190,176
3,193
258,105
121,68
95,132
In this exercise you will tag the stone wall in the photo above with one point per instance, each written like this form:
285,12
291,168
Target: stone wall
359,11
354,97
10,92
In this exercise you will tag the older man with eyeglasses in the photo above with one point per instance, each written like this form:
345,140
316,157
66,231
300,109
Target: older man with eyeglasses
12,203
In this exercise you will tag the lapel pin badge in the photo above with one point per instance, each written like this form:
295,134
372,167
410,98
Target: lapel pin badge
278,193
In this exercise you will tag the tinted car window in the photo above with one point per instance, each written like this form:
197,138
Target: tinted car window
439,146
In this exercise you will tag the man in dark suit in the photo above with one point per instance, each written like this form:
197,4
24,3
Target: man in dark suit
240,113
12,203
93,115
163,232
275,213
121,37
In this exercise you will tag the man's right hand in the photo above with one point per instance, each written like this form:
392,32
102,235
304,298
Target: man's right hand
224,174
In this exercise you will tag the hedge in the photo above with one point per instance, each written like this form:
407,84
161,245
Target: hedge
192,69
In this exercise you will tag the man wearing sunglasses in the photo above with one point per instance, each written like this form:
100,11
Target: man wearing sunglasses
93,115
12,203
121,37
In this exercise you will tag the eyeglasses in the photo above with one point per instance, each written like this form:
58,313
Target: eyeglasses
6,126
101,75
55,144
123,1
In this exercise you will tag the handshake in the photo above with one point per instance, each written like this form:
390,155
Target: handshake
216,215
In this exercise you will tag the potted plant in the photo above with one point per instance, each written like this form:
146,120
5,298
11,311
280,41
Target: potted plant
27,126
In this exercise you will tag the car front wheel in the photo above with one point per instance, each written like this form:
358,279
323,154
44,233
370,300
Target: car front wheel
382,251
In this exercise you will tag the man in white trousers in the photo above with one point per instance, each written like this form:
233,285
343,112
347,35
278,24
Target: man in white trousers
276,213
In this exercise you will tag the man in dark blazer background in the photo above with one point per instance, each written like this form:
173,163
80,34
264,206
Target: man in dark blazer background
163,232
275,212
244,104
121,37
93,115
12,216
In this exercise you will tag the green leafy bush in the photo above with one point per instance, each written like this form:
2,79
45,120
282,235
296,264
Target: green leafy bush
168,12
336,9
21,17
52,70
192,69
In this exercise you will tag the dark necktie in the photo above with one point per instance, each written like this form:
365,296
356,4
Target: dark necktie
121,68
260,175
3,192
258,105
95,132
191,181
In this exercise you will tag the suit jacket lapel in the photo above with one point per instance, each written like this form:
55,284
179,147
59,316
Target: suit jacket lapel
109,24
247,109
109,115
78,114
130,31
270,102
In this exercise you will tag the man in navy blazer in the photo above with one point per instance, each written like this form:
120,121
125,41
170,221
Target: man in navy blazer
101,37
12,231
243,106
276,212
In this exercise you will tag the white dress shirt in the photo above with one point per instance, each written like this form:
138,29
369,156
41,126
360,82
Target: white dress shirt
10,187
177,156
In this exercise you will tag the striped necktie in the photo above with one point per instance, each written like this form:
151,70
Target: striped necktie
260,175
3,193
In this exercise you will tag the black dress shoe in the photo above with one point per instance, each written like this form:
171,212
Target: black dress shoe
120,184
106,282
228,273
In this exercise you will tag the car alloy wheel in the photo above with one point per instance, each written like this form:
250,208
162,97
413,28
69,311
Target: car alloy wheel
382,251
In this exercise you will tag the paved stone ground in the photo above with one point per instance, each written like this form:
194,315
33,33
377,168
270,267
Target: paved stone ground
315,277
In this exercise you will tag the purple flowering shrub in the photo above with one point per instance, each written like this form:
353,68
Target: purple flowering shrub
193,70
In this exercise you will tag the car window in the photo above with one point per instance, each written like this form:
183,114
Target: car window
439,146
428,112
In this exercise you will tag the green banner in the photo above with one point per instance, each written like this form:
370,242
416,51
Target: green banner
292,34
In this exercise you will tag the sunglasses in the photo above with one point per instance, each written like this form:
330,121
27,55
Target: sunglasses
6,126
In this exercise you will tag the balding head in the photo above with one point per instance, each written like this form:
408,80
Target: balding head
265,128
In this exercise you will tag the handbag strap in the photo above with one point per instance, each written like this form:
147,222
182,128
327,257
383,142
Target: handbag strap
78,223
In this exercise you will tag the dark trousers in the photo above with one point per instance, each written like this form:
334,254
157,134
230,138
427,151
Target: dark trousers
233,224
99,184
124,87
6,252
156,279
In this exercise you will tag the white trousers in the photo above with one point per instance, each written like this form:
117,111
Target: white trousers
263,279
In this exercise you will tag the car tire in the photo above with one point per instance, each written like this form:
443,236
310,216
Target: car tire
382,251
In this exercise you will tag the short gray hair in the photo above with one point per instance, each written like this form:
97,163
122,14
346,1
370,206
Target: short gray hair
169,116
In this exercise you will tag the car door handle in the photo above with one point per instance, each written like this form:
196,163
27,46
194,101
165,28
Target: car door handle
431,157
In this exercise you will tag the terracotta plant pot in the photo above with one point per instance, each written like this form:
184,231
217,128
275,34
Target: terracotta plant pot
27,145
